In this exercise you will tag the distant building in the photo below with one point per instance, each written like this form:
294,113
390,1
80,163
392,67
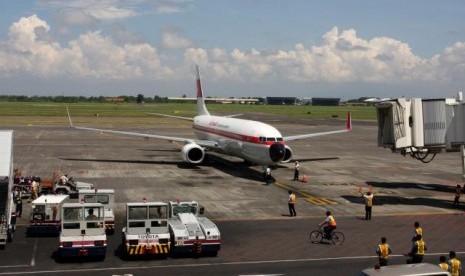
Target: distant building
325,101
281,100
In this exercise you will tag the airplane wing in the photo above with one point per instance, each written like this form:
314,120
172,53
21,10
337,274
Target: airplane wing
187,118
202,143
171,116
311,135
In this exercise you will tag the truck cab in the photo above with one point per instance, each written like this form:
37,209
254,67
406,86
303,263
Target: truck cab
82,231
146,230
46,216
191,233
107,198
7,204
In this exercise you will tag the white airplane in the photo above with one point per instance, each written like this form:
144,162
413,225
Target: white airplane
255,142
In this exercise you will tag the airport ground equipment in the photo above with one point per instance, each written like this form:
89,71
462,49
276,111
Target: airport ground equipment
46,216
82,231
7,205
422,128
146,231
191,233
107,198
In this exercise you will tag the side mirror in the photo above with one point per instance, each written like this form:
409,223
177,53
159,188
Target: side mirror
201,210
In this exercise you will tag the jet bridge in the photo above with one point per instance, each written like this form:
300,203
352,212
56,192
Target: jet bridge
422,128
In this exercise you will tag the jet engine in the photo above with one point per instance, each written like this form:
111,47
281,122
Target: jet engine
192,153
287,154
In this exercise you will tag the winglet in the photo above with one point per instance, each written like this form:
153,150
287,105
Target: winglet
69,117
349,122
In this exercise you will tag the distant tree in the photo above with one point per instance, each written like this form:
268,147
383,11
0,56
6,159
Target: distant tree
140,98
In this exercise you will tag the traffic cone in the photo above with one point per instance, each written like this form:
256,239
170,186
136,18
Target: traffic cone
304,179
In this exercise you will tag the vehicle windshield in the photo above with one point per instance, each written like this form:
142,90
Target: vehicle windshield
184,209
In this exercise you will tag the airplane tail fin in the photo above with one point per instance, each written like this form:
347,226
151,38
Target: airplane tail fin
201,108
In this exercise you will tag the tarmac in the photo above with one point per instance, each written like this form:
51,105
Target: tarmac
336,167
253,217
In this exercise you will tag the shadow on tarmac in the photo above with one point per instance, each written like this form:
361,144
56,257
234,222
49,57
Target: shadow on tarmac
404,185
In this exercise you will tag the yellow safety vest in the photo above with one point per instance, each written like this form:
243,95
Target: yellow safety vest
420,247
384,250
444,266
369,202
292,201
419,231
455,265
332,221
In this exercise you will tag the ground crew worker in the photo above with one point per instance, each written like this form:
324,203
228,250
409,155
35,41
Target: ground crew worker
19,205
368,203
291,204
455,265
267,175
443,263
330,223
91,215
296,171
383,252
417,231
418,250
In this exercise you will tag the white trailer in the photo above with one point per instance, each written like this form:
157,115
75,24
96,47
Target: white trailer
7,205
46,216
82,231
107,198
146,231
191,233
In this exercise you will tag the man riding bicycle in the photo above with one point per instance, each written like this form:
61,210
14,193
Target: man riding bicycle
330,223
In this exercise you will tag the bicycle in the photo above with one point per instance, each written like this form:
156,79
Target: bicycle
317,236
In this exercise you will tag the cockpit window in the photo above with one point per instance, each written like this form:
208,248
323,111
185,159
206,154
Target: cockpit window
279,139
271,139
262,139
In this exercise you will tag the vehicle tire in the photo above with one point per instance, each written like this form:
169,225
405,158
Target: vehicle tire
338,238
316,236
9,236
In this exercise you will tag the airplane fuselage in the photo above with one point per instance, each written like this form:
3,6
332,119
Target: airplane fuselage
256,142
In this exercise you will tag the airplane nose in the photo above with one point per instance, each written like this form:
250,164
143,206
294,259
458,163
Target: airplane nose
277,152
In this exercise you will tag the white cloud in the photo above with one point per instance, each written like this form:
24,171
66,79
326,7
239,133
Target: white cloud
174,40
342,57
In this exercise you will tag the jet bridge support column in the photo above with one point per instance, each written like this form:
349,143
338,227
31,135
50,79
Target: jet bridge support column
462,155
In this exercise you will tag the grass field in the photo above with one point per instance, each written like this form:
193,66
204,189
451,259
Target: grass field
49,110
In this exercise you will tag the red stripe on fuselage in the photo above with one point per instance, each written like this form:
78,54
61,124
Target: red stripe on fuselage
235,136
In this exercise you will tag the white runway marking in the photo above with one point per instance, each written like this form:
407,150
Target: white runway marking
33,260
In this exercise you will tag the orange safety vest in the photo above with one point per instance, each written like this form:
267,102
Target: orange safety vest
455,265
384,250
444,266
292,199
332,221
420,247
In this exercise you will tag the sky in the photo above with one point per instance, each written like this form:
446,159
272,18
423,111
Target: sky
244,48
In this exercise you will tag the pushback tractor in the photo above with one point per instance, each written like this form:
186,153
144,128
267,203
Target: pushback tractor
82,231
146,231
191,233
107,198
